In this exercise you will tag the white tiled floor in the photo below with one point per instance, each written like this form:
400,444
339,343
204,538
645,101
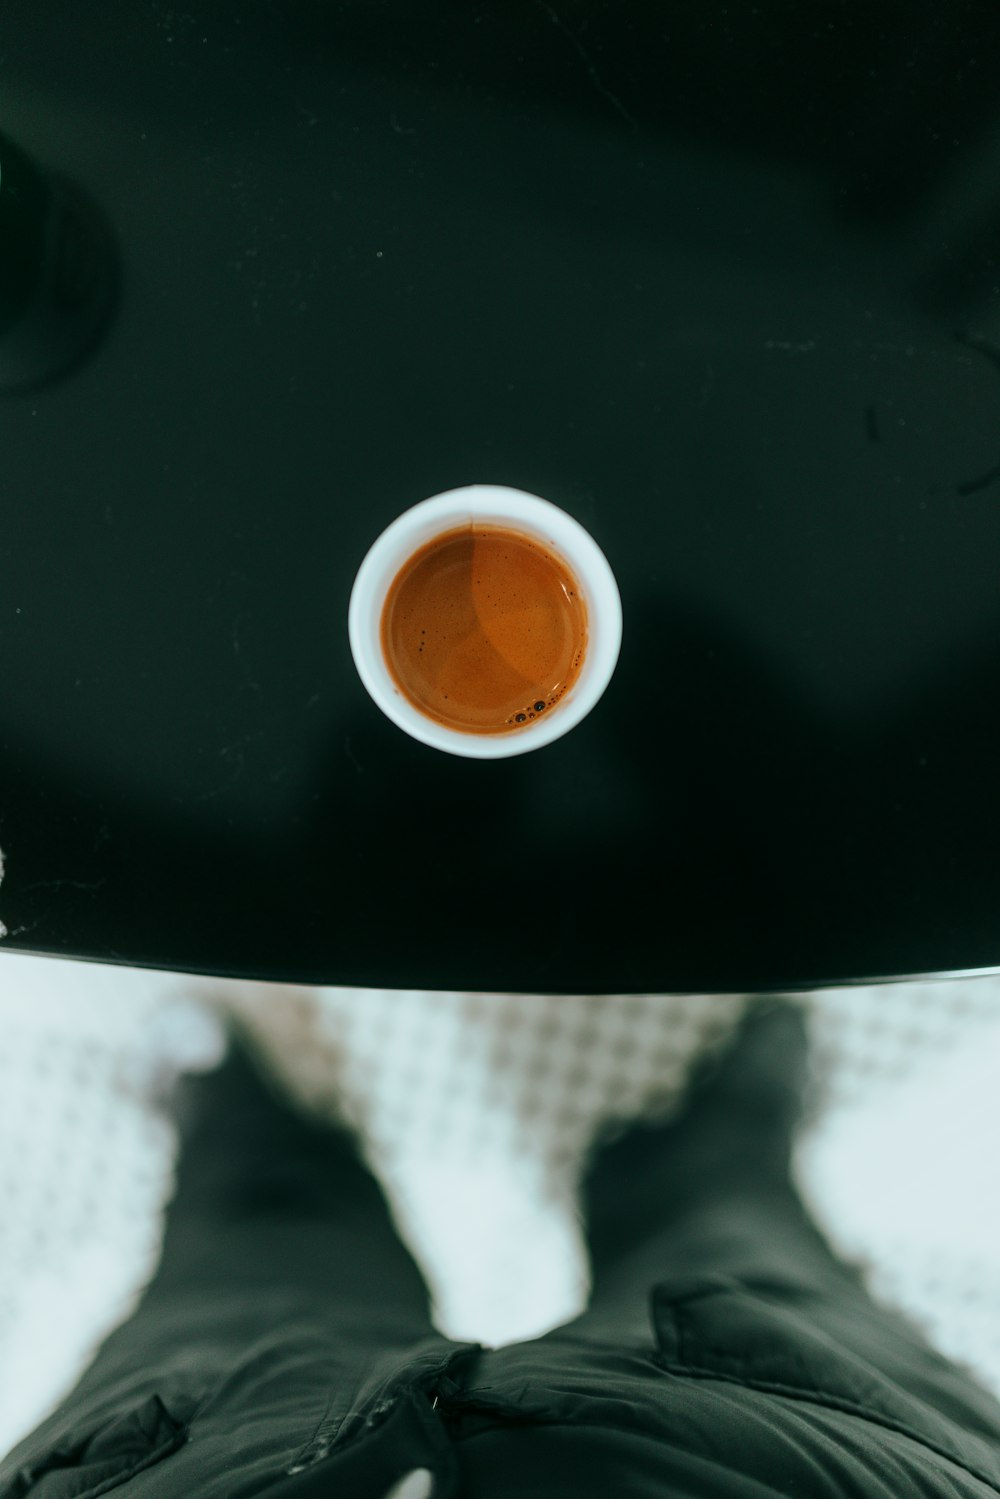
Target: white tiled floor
476,1111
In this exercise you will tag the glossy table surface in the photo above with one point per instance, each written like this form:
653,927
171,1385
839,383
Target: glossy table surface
721,281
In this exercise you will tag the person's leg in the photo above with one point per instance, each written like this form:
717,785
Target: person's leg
282,1296
711,1189
725,1350
711,1195
274,1214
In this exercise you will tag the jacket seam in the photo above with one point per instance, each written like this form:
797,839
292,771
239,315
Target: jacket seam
170,1444
826,1401
590,1425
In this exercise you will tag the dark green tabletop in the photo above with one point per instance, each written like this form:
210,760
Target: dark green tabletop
723,281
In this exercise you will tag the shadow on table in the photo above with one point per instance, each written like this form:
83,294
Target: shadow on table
704,829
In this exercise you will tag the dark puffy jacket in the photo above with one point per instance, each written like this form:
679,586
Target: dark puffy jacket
738,1393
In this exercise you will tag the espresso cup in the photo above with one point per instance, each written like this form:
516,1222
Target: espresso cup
485,622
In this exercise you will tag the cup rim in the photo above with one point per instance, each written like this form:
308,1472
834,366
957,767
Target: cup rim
518,510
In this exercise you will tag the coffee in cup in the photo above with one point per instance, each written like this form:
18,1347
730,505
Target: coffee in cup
485,621
483,629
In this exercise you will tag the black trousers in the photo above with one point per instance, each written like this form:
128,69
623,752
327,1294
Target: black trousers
284,1346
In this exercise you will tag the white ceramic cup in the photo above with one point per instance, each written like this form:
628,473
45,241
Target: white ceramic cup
487,504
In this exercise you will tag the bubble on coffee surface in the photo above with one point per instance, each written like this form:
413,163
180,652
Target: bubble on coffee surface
533,709
537,706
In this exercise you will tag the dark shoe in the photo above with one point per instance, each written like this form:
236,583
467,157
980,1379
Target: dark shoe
754,1088
243,1139
733,1136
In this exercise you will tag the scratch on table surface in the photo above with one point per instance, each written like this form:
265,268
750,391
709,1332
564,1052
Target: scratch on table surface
787,346
707,385
235,755
238,653
589,64
991,352
982,346
911,351
3,929
64,885
348,751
